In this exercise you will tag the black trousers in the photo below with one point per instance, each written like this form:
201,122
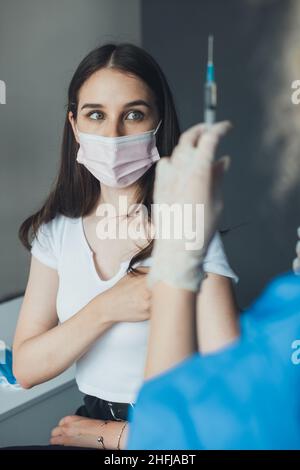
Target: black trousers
97,408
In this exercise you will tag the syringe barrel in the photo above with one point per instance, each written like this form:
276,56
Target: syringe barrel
210,102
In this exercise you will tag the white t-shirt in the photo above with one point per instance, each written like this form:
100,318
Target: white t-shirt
113,367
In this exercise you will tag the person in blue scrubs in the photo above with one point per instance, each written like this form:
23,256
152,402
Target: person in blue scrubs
244,396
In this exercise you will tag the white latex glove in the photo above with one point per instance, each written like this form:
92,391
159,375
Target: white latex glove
296,262
189,176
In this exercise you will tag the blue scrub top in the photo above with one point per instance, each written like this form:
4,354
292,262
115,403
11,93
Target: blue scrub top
245,396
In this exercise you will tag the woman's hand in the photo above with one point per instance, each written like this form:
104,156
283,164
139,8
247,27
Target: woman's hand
296,262
188,180
128,300
79,431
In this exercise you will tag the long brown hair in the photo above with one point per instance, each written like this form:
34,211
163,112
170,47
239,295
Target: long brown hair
75,190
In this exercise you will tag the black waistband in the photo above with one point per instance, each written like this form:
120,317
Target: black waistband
99,408
119,411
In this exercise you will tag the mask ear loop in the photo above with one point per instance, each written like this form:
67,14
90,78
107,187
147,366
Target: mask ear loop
158,126
77,130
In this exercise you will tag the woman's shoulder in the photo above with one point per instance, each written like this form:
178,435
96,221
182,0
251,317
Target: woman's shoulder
58,224
54,227
48,241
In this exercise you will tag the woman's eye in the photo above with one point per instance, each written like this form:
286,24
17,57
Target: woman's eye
132,116
139,115
94,115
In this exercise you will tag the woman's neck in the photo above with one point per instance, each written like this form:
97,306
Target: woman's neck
120,198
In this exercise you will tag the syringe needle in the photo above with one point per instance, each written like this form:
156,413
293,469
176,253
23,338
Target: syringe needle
210,49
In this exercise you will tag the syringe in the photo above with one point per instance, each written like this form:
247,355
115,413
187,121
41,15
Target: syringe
210,87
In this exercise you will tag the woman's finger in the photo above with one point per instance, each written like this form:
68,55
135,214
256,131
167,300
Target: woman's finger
86,426
70,419
57,431
55,441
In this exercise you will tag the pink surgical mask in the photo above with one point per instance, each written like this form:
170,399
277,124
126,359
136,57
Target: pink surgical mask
118,161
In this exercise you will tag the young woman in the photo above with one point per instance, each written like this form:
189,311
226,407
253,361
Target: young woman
86,299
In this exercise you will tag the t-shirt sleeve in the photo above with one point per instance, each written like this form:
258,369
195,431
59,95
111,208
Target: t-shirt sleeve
216,261
43,246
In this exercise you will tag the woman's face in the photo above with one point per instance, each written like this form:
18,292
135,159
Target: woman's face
112,103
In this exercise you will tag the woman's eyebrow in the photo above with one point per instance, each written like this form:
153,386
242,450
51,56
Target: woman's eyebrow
127,105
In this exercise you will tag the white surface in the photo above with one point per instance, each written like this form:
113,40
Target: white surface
13,401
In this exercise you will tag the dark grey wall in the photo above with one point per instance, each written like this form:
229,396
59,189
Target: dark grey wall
41,44
247,34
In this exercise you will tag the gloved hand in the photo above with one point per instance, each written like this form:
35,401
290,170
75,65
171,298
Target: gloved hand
296,262
189,177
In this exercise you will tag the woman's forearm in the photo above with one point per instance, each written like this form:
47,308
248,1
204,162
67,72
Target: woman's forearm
172,335
47,355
